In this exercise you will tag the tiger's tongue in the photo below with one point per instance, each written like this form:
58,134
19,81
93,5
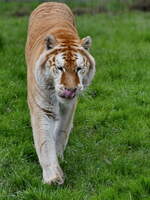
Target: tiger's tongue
69,93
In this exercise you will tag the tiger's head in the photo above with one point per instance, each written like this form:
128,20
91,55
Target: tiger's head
71,67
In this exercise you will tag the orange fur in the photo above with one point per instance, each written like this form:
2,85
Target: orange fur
50,18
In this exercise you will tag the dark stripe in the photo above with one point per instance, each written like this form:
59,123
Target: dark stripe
49,114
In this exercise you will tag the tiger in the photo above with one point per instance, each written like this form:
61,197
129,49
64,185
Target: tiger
59,69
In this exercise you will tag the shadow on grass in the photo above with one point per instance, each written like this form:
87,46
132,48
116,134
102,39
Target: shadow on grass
1,43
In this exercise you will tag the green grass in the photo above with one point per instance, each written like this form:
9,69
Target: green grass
108,155
22,8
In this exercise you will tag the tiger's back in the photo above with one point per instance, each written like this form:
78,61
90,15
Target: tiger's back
49,18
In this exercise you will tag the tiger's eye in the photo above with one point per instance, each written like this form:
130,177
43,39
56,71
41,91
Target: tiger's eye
60,68
78,69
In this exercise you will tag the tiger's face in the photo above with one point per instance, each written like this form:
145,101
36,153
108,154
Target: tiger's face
70,71
71,68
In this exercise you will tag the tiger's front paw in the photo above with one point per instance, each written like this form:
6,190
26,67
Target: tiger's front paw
53,174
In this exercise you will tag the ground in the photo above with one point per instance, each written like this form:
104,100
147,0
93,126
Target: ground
108,155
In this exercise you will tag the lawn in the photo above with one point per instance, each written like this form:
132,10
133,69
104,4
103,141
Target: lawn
108,155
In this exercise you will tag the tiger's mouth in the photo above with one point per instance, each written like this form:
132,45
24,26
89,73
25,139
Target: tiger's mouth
68,93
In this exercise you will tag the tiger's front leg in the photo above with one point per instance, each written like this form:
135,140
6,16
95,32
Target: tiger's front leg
63,126
45,145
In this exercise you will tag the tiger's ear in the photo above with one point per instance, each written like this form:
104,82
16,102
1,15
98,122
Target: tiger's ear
86,42
50,42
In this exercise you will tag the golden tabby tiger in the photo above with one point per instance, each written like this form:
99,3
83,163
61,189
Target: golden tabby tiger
59,68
